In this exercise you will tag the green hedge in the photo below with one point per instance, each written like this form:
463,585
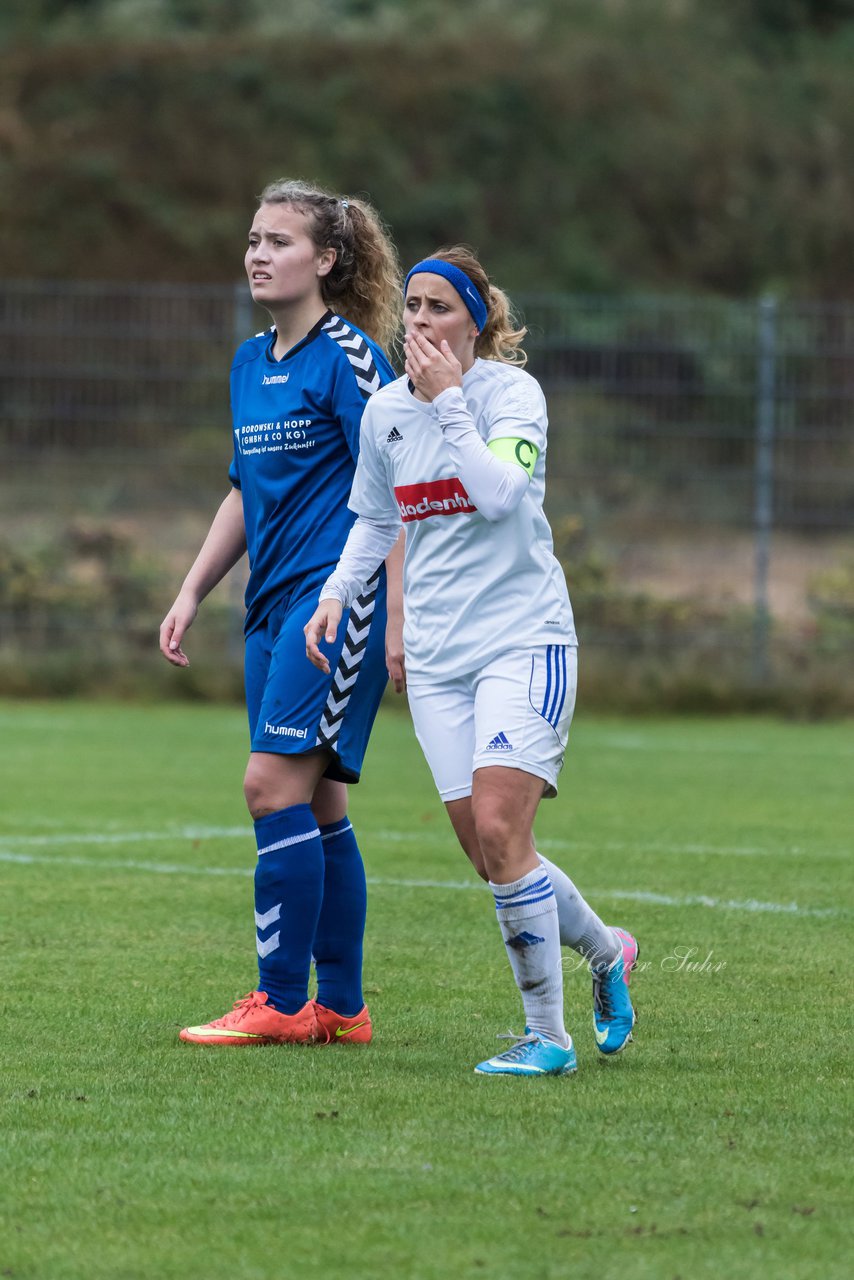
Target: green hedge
80,615
580,145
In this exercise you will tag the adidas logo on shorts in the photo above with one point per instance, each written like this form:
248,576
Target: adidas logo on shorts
500,743
393,436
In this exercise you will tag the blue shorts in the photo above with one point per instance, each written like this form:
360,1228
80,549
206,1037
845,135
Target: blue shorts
294,708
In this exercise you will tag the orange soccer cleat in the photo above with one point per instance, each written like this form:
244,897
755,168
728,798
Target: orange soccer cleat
332,1028
254,1021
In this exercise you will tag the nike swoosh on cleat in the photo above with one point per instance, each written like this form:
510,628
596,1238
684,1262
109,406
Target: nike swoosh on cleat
340,1032
601,1036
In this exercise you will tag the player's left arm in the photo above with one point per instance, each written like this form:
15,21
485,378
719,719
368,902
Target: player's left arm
496,473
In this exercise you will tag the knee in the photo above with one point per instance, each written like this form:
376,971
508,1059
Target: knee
257,791
505,843
274,782
494,835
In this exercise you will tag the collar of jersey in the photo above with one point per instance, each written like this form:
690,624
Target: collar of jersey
303,342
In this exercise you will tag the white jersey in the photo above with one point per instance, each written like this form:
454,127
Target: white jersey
473,589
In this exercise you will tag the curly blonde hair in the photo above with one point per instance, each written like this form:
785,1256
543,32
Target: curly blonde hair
502,335
364,285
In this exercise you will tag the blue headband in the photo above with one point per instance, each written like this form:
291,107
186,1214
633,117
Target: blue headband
461,282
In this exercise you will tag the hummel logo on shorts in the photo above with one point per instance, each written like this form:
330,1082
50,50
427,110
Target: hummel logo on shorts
500,743
393,436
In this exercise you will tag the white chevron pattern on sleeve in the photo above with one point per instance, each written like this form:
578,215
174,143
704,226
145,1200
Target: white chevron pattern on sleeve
358,353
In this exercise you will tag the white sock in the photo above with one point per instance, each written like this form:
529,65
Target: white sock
580,927
527,915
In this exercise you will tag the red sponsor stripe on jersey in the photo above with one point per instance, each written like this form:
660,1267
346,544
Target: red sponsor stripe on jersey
432,498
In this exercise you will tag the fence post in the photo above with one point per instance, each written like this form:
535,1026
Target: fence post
763,504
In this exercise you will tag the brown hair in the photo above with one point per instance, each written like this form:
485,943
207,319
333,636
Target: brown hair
364,285
502,335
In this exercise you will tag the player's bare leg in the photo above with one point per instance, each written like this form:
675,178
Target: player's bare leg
503,804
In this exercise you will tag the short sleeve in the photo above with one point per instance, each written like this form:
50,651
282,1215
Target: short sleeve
519,412
355,377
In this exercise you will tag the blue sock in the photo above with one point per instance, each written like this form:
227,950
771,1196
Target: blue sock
341,927
288,894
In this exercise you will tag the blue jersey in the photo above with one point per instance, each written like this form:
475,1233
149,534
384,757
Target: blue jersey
296,440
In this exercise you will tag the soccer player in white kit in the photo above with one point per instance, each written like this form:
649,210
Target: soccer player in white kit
455,450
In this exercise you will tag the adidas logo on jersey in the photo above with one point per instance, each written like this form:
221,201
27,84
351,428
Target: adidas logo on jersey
500,743
393,436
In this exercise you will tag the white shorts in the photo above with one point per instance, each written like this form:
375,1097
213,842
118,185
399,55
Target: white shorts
514,713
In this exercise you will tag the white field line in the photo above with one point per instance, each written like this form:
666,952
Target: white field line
126,837
58,839
12,856
788,743
696,746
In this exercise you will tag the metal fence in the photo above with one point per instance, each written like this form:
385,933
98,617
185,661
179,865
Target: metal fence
713,437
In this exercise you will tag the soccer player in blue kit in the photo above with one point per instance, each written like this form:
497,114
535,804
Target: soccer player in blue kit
325,269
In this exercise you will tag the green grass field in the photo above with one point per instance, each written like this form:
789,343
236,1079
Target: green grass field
715,1146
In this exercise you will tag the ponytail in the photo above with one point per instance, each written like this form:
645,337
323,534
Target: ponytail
364,284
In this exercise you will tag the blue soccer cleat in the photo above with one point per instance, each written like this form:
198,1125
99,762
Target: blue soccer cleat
531,1055
613,1015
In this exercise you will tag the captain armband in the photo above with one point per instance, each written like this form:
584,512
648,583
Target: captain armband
512,449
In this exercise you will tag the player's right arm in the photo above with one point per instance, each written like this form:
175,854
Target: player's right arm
221,549
322,625
367,546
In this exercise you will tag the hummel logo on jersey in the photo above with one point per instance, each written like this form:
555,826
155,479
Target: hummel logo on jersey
393,436
523,940
500,743
274,380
